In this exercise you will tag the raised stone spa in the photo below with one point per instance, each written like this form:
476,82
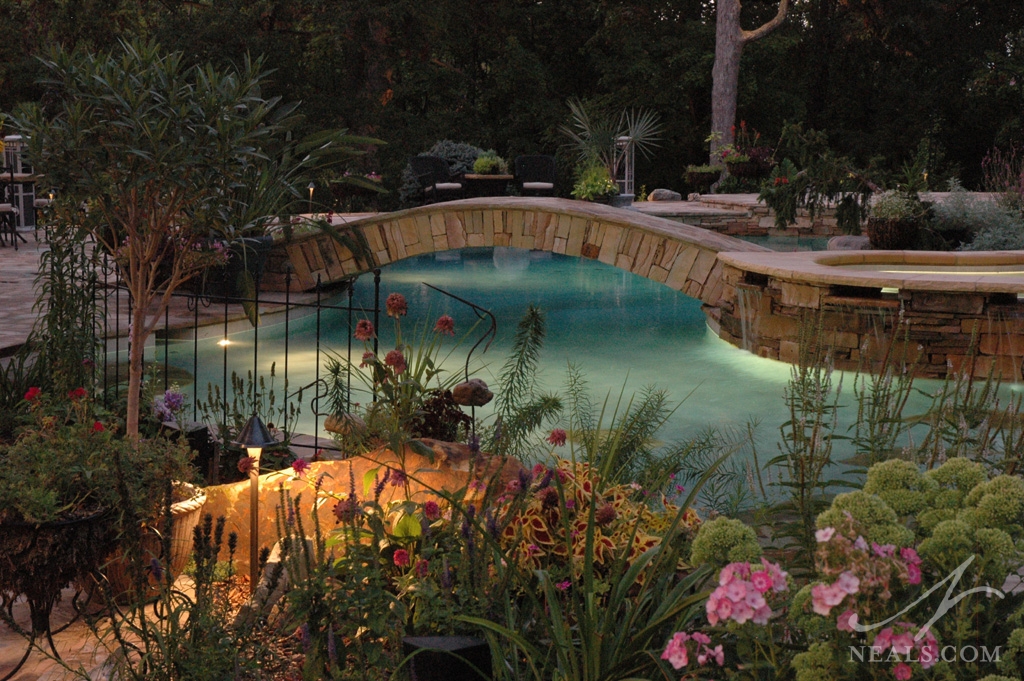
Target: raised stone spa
956,311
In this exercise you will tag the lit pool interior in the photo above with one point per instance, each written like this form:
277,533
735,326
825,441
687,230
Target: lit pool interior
622,330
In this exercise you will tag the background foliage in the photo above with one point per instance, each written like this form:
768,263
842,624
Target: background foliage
879,75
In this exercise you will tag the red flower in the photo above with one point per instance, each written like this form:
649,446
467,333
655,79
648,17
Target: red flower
422,568
445,325
77,393
32,394
557,437
300,466
396,305
396,359
97,427
431,510
368,359
245,464
401,558
364,330
781,180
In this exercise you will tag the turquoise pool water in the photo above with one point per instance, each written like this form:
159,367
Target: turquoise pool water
622,330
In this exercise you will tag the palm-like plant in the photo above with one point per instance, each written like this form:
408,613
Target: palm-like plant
608,140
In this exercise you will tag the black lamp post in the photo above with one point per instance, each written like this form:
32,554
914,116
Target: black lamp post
254,437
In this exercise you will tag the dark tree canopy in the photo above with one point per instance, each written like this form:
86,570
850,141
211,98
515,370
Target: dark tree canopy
880,76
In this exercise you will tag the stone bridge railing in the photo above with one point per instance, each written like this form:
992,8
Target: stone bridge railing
680,256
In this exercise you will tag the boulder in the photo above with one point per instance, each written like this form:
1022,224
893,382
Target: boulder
472,393
849,242
344,424
664,195
451,467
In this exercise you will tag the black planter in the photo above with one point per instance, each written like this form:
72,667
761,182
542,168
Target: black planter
39,560
893,234
447,658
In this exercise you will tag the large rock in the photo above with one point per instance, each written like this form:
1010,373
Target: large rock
664,195
450,471
849,242
472,393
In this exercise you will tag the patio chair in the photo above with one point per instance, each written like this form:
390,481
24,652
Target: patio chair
535,175
435,179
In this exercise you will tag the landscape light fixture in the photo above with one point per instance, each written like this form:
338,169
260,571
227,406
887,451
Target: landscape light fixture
254,437
311,187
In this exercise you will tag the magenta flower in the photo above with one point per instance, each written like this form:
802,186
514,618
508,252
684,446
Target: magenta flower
245,464
396,359
398,477
902,671
300,466
431,510
562,586
557,437
762,581
913,573
364,330
32,393
445,325
401,557
396,305
422,568
368,359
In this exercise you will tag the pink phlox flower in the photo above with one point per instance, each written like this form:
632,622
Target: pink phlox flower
824,534
675,652
848,582
736,590
902,671
882,641
846,621
762,581
883,550
860,543
754,599
778,575
910,556
903,643
700,637
762,615
913,573
929,652
741,612
719,655
825,597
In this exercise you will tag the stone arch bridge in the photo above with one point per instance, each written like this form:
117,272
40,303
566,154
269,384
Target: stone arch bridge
680,256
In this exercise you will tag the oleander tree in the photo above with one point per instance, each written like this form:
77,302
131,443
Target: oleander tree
151,158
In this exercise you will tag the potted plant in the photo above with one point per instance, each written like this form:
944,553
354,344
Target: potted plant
489,163
894,219
490,176
702,177
68,489
594,183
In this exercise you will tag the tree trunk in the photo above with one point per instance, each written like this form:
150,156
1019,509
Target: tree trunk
136,350
725,75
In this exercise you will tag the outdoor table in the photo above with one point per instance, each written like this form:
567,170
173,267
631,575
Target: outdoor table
487,185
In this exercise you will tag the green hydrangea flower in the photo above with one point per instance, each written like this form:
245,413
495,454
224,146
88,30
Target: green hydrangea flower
956,477
901,485
870,512
999,503
952,541
724,540
927,520
820,662
813,626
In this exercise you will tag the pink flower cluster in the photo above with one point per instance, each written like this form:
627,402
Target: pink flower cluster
740,595
900,639
861,572
678,655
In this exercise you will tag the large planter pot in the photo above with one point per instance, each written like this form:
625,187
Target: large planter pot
748,169
185,517
893,234
39,560
621,200
447,658
701,181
